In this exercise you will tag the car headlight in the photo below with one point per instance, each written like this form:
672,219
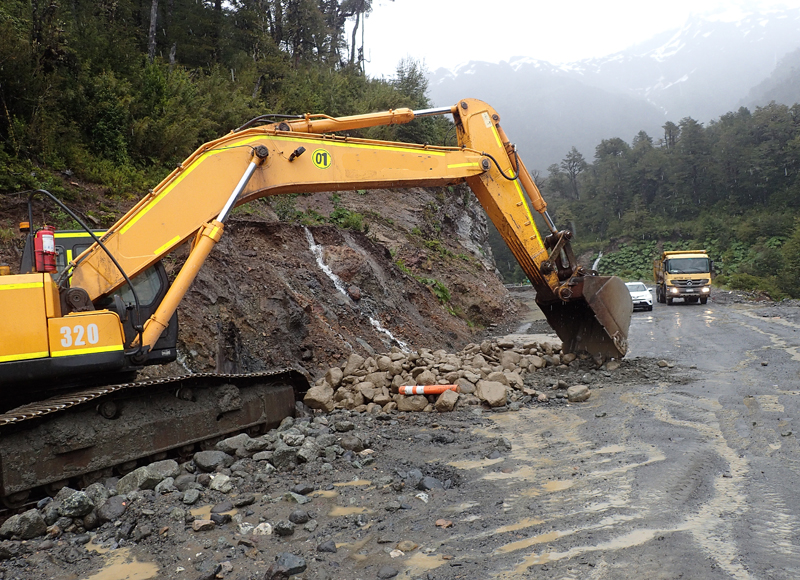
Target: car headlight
673,290
706,290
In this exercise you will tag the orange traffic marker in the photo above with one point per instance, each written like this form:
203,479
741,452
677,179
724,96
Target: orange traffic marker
426,389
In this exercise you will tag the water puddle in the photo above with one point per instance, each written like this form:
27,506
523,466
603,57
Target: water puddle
122,565
419,563
316,250
520,525
549,487
355,482
528,542
324,493
204,512
476,464
338,511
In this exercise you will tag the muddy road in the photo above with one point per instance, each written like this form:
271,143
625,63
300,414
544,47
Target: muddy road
683,463
694,475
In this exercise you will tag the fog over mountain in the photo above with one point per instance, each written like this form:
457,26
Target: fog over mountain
703,70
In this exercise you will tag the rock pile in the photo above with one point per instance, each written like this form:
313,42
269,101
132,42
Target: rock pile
491,373
236,468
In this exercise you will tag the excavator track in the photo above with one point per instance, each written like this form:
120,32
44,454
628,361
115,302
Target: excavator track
84,435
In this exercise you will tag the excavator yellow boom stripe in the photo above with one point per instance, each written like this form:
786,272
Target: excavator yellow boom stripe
111,348
316,138
21,286
25,356
167,245
458,165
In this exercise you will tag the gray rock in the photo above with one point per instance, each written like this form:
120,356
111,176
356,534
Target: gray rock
231,444
141,478
429,483
113,509
302,488
413,477
284,456
286,565
296,498
244,500
165,469
343,426
191,496
256,445
209,460
263,456
221,482
352,443
329,546
299,516
76,506
98,493
308,452
284,528
387,572
293,437
221,519
24,526
184,481
166,486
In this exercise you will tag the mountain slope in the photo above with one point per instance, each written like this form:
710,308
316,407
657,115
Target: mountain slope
702,70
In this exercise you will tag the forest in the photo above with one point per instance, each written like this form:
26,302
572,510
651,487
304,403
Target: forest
114,93
732,188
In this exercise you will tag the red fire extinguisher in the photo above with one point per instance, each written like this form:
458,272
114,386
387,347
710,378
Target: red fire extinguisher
44,246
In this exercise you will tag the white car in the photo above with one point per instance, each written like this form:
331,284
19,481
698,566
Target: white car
640,295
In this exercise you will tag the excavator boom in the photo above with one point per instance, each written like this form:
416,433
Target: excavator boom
79,324
301,156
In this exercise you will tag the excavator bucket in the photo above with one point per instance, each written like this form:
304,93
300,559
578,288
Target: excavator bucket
596,319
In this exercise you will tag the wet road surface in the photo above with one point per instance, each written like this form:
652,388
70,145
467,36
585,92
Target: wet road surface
693,477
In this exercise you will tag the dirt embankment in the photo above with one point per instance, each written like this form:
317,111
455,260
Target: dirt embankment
422,273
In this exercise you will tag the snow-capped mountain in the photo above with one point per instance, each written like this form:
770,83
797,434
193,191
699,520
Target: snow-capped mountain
703,70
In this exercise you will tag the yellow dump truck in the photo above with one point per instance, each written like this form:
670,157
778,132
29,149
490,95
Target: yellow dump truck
684,274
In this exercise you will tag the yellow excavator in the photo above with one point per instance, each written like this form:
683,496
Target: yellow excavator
88,309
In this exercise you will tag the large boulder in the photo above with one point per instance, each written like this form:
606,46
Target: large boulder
24,526
354,363
578,393
446,401
320,397
411,403
492,392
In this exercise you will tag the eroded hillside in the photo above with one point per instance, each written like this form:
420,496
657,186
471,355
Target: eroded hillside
420,273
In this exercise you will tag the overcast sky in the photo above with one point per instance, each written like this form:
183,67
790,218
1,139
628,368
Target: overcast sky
445,33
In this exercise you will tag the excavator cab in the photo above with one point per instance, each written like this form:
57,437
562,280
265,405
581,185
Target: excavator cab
151,287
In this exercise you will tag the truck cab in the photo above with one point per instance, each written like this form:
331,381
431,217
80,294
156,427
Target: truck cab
683,274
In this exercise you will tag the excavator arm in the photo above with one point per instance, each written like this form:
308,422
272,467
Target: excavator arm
590,313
